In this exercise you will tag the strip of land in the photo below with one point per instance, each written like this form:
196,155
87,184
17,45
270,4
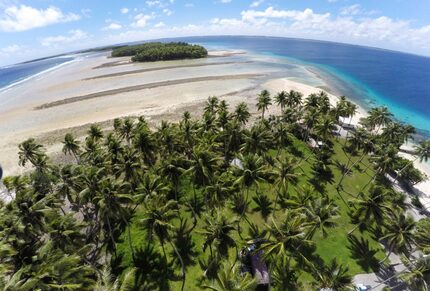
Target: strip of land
119,74
144,86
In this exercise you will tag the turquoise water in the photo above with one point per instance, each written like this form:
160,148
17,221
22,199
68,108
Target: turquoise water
370,77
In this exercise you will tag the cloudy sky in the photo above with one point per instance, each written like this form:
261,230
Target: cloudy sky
37,28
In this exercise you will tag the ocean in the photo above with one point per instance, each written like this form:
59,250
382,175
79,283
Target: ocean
368,76
13,75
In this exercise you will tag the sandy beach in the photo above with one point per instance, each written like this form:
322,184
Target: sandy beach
99,89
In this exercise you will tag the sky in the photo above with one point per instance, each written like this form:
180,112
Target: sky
37,28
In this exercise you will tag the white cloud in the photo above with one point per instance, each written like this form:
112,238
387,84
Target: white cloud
72,36
351,10
124,10
141,20
189,5
256,3
160,25
20,18
225,1
113,26
11,49
168,12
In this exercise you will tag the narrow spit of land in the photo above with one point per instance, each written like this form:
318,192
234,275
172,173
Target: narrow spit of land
142,87
119,74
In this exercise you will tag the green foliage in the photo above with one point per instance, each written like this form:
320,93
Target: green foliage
157,51
140,208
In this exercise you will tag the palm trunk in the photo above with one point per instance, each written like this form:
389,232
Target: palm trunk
182,264
111,236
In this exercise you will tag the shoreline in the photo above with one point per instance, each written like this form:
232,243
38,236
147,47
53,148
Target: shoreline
164,93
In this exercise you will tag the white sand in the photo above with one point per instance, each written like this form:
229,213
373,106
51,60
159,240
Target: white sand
19,120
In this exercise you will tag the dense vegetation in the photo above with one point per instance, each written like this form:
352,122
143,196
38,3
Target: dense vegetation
143,209
157,51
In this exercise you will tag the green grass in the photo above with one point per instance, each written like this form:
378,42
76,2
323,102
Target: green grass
334,245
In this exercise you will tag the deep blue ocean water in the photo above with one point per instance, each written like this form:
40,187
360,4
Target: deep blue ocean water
16,73
369,76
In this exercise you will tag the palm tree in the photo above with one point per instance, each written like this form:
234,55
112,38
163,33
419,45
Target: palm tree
264,205
285,276
320,214
417,274
229,279
126,130
29,150
422,152
257,141
285,174
371,208
294,99
263,102
324,128
288,235
378,117
241,113
159,213
332,276
95,133
217,231
398,234
281,99
71,146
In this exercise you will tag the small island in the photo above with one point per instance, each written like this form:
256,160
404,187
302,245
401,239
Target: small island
157,51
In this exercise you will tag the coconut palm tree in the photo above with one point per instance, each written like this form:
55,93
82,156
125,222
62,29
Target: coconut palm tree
398,234
417,274
371,208
422,152
217,233
285,276
71,146
321,213
333,276
294,99
230,279
95,133
379,117
288,235
241,113
257,141
285,175
264,205
263,102
158,216
29,150
281,99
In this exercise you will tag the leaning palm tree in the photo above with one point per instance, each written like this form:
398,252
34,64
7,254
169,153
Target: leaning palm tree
422,152
263,102
71,146
95,133
417,274
29,150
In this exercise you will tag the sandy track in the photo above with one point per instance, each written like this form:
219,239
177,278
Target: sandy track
119,74
144,86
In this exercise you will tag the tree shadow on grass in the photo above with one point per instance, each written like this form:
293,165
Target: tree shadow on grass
296,152
364,255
